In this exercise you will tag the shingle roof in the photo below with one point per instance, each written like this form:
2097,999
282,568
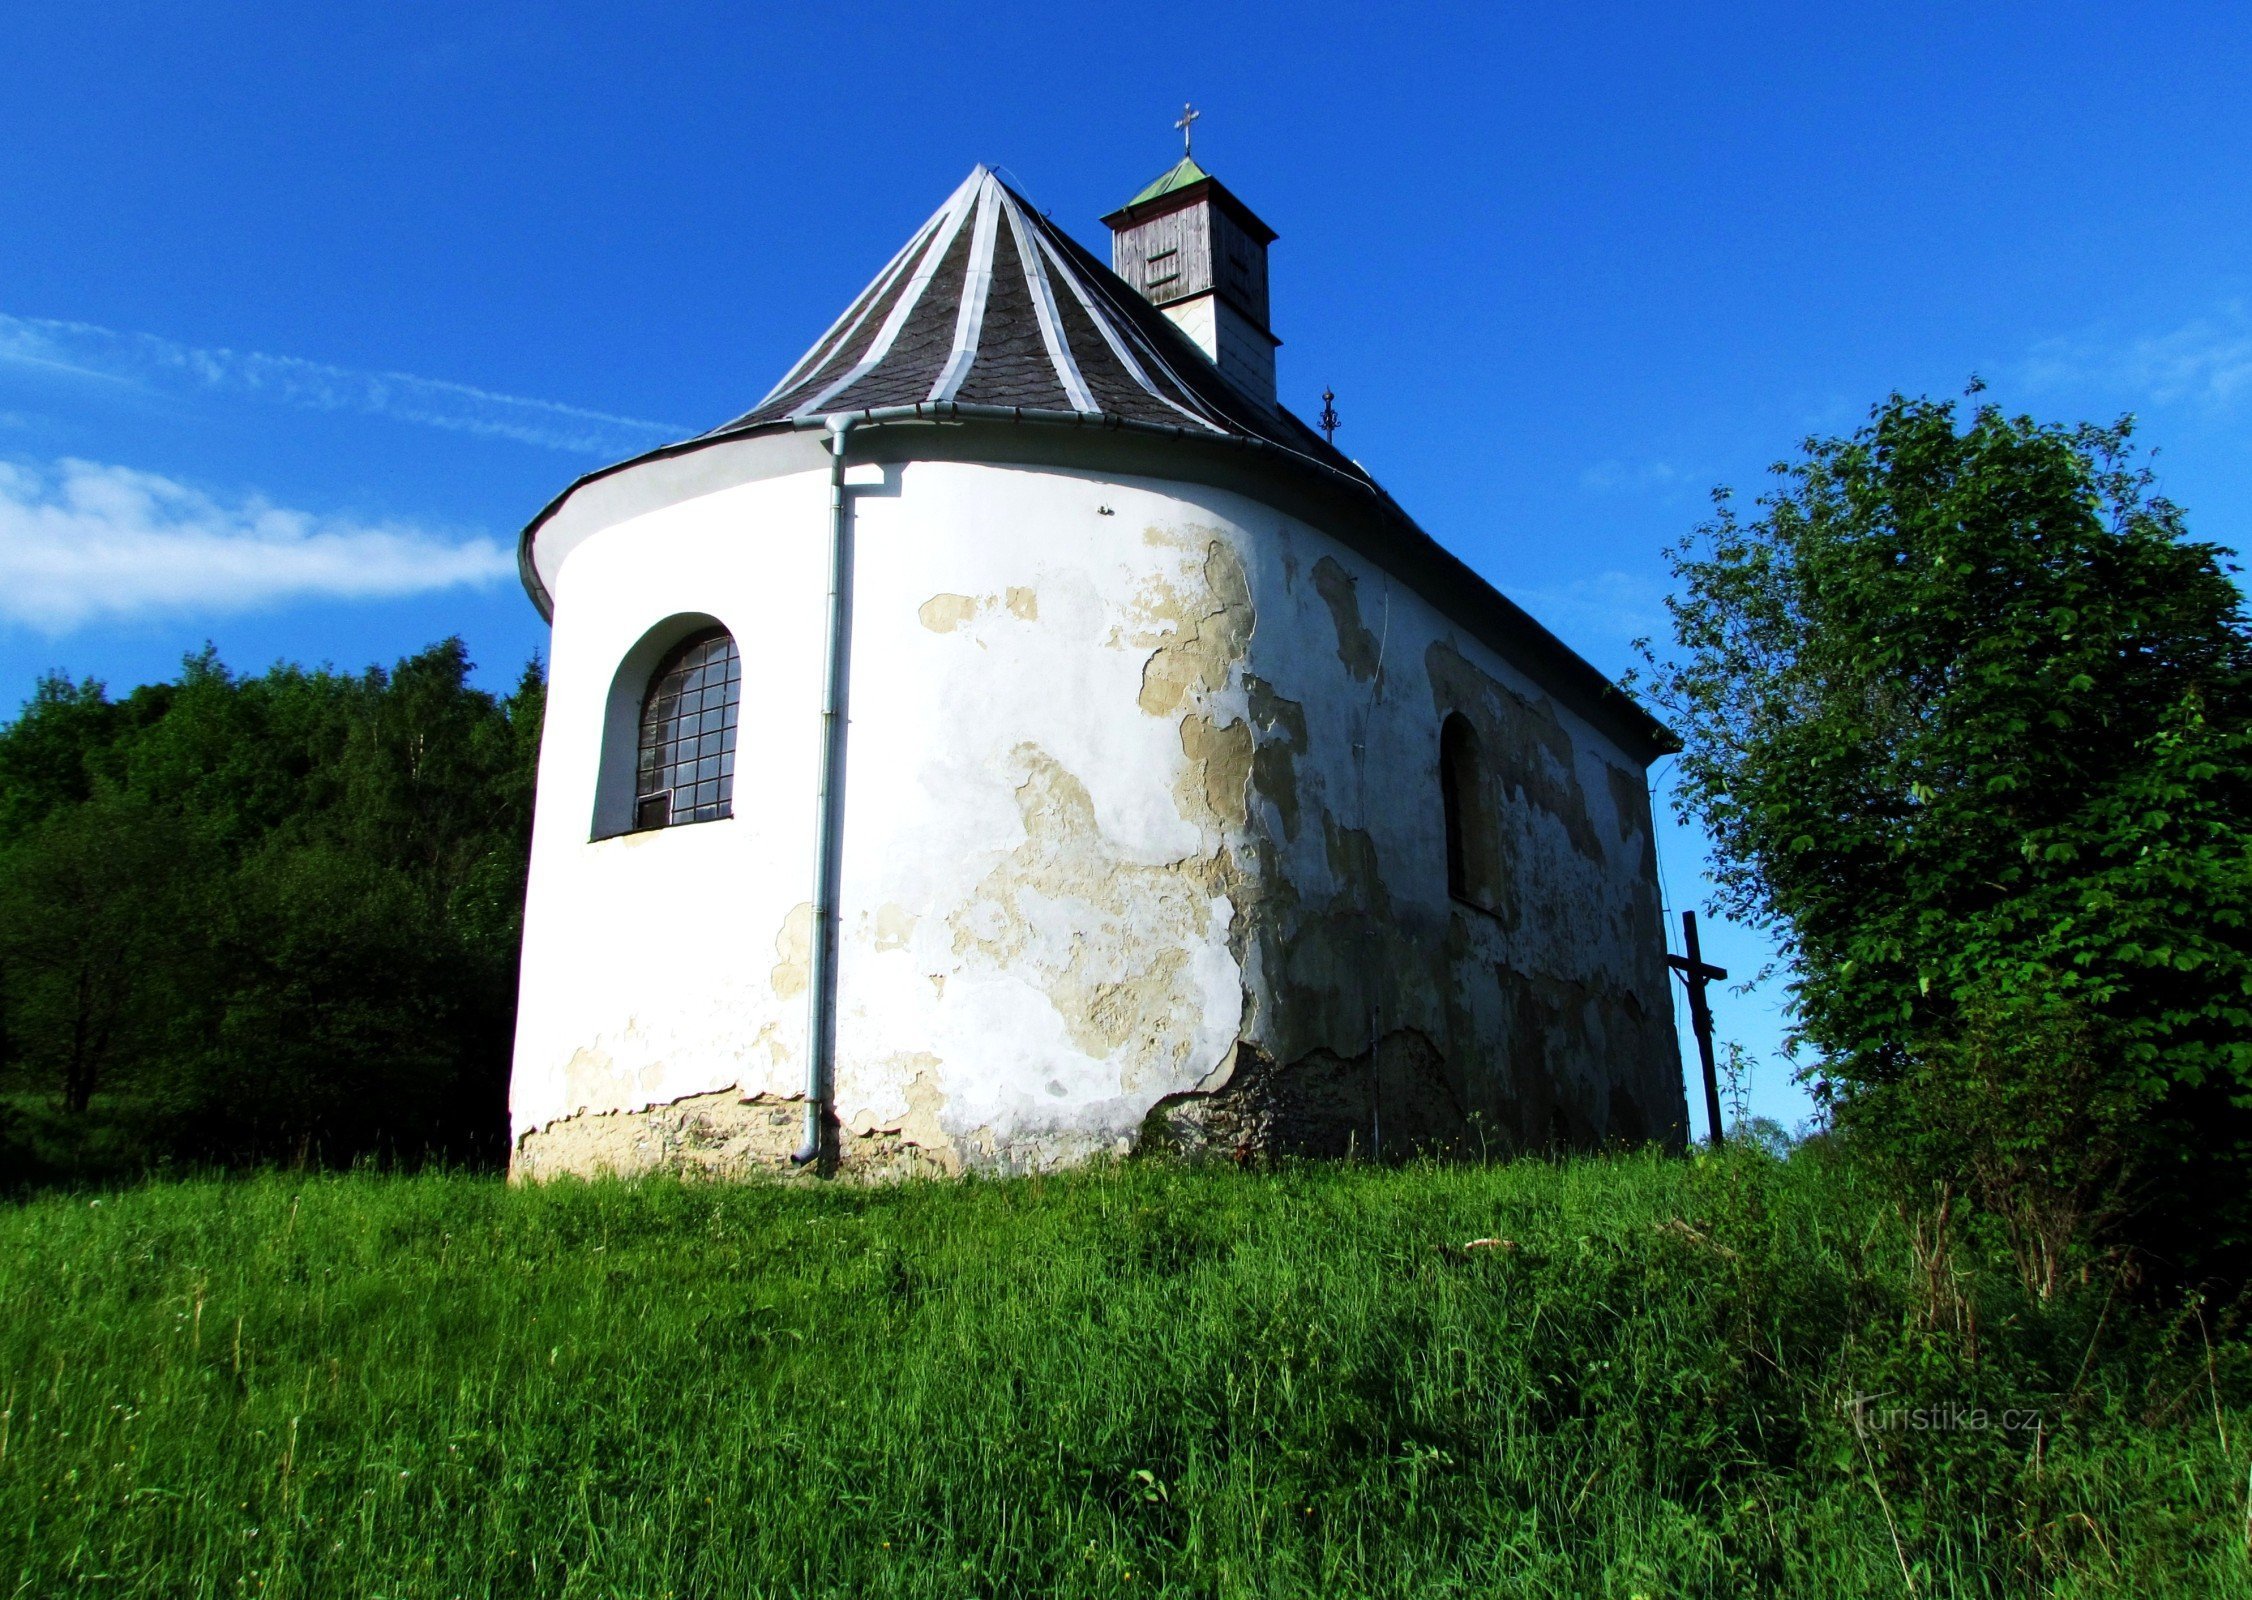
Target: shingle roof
991,304
991,310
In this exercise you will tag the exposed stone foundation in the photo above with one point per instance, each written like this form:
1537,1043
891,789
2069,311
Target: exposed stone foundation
1394,1100
720,1135
723,1136
1397,1100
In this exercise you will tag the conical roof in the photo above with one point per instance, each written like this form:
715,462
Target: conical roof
990,304
992,313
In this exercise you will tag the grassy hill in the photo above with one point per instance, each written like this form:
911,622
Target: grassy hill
1618,1376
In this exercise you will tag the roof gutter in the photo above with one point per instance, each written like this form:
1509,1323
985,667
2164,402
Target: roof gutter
1599,689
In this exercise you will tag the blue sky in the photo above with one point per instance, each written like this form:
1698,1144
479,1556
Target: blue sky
304,311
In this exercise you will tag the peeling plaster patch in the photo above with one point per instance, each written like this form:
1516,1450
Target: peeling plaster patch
950,613
1632,803
1627,799
793,952
1526,742
1110,942
943,613
1281,726
770,1039
894,926
1352,864
1560,1030
1342,968
911,1144
1206,635
917,1070
1219,771
1356,646
589,1076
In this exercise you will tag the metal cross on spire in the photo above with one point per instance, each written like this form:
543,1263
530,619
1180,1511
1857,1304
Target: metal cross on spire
1189,114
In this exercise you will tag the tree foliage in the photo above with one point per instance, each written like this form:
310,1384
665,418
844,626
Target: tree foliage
1967,714
263,917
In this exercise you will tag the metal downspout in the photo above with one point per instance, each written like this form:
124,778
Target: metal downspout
828,837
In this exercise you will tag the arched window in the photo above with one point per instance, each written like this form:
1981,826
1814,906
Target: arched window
1473,847
684,770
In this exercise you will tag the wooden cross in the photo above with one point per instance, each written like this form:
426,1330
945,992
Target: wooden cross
1189,114
1696,974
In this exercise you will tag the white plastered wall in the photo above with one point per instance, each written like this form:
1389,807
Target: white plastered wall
1543,1005
1060,892
1013,832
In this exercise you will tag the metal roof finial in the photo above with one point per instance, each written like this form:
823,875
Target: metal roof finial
1189,114
1329,415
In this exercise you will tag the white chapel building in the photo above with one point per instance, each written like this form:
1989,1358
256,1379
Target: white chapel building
1019,739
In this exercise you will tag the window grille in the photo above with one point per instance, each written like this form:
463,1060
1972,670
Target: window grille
685,771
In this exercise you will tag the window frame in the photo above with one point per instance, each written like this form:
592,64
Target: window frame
658,762
617,772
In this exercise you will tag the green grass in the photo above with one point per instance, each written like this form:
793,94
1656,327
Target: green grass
1138,1381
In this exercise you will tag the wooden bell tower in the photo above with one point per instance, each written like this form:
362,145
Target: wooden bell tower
1197,253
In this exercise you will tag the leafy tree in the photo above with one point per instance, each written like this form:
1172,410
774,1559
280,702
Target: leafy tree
43,756
277,915
1967,714
89,900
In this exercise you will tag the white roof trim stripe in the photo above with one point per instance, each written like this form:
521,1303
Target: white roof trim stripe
969,321
1102,326
1051,322
1156,359
854,315
956,211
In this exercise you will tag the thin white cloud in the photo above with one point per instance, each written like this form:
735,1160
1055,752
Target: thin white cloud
81,542
144,361
1612,606
2206,361
1631,477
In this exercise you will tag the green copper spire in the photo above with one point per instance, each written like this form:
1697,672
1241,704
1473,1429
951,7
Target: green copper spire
1180,176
